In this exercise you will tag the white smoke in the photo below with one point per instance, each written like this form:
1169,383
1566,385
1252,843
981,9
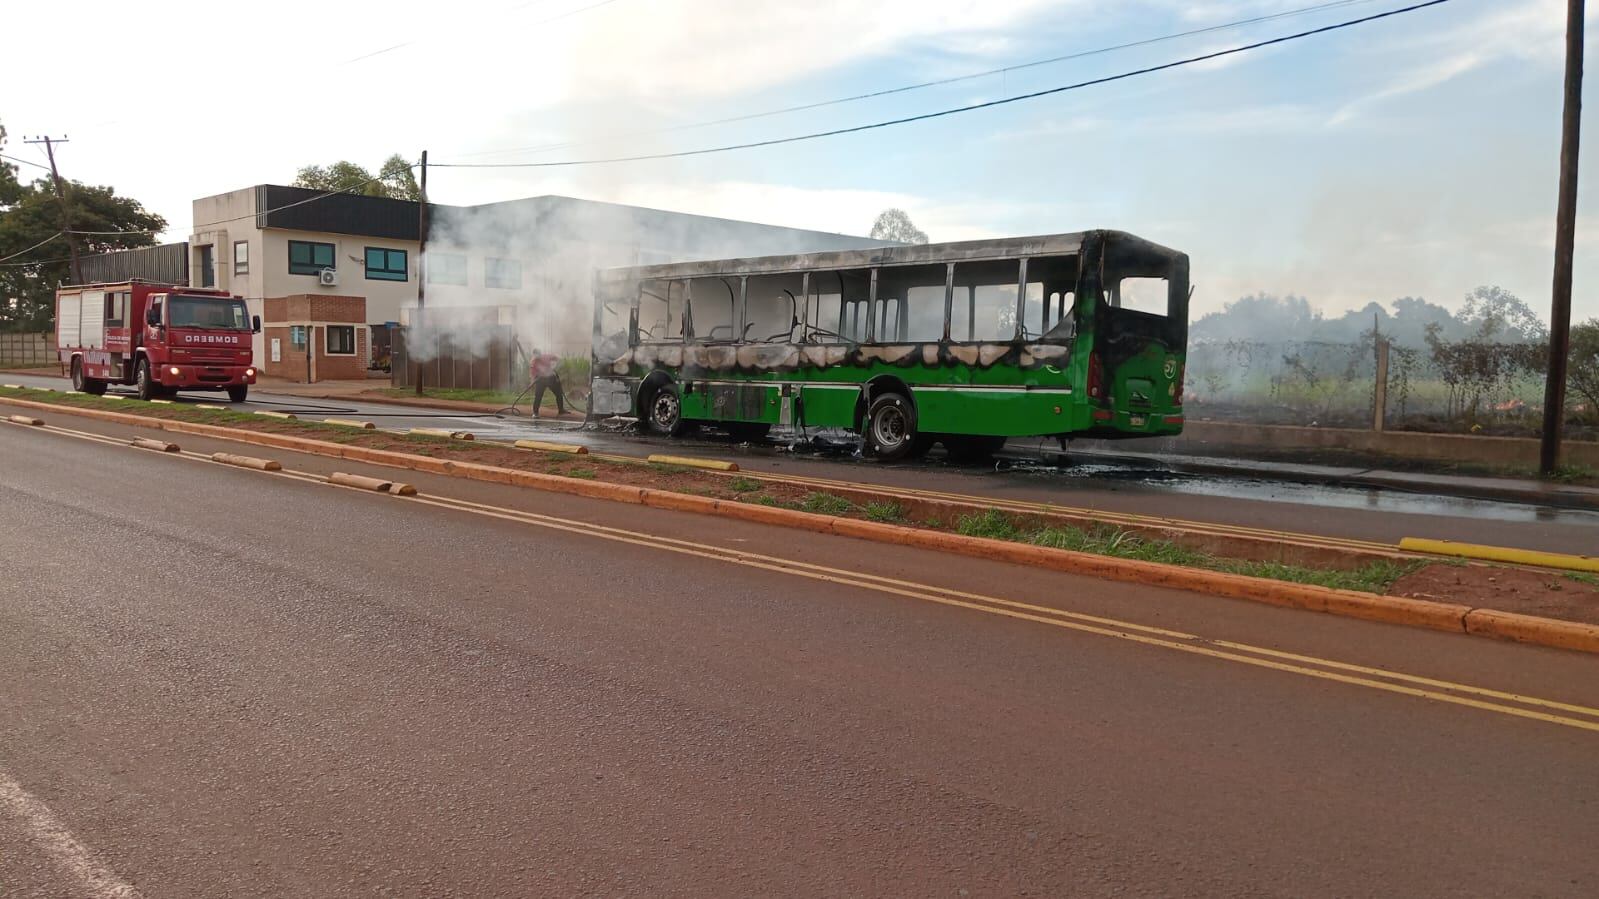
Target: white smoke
529,265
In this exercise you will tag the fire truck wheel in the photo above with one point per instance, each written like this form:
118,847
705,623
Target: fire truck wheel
83,383
148,389
237,394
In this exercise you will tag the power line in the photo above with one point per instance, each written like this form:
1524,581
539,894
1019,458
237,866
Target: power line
35,262
36,246
956,79
37,165
240,218
947,112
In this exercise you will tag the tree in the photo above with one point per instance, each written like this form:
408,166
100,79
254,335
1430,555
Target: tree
396,179
895,225
30,214
1497,315
1583,371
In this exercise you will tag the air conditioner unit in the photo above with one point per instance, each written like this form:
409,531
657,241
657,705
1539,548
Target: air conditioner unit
327,277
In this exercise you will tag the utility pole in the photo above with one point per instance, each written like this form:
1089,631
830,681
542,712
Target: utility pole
421,277
1554,397
61,197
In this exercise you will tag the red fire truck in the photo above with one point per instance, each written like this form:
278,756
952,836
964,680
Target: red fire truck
160,337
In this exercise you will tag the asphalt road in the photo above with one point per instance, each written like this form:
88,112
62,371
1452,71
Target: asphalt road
222,682
1350,512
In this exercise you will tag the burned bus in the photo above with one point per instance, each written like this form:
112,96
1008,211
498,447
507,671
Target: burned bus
965,344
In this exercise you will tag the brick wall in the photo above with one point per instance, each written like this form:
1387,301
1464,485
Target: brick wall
281,314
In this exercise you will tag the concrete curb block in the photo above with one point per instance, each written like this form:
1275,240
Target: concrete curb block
112,396
1452,617
691,462
441,432
212,406
544,447
350,423
13,386
378,485
160,446
247,462
1500,554
1532,629
160,402
25,420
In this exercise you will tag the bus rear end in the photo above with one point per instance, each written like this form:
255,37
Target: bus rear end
1139,348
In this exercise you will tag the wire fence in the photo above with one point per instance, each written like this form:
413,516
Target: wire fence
1446,386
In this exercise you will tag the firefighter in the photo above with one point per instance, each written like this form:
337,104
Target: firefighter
545,377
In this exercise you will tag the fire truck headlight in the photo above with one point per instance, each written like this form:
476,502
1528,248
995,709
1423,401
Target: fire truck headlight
174,371
249,373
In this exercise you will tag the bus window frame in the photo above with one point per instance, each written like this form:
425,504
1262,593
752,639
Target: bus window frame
735,310
971,303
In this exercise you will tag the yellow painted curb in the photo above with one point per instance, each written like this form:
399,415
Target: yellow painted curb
211,406
162,402
362,482
160,446
441,432
1452,617
13,386
1500,554
112,396
542,446
247,462
286,416
692,462
25,420
350,423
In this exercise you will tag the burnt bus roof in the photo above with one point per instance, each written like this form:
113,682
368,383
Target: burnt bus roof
956,251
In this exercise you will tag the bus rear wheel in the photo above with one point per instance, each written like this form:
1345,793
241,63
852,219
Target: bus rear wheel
83,383
891,427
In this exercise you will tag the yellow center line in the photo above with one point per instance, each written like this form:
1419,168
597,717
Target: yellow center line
1061,618
1242,653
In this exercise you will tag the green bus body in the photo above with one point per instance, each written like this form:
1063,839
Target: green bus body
1087,365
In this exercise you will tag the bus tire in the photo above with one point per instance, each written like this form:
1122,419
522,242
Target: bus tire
82,382
890,427
148,389
663,412
971,448
238,393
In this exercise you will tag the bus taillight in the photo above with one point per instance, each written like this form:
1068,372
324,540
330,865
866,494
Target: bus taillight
1182,371
1096,377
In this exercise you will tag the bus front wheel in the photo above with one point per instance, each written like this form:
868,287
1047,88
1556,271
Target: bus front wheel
891,427
663,412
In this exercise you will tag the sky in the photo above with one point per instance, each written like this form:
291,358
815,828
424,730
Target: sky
1414,156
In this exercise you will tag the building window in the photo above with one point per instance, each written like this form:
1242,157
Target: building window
309,257
385,265
445,268
341,340
505,274
241,257
297,337
208,266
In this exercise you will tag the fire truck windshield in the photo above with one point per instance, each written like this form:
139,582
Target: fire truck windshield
221,313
